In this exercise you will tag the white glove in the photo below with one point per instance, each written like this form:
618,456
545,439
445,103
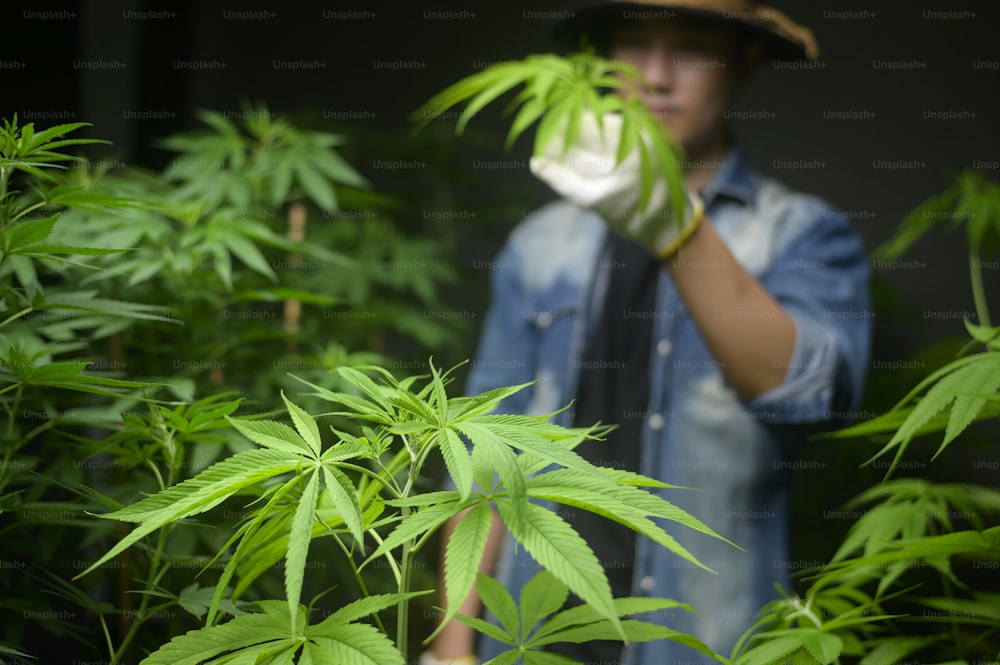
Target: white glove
586,175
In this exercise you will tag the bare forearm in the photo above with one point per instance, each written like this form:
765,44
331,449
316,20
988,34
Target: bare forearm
745,328
456,639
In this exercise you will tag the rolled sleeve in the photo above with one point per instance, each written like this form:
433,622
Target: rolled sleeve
811,380
821,278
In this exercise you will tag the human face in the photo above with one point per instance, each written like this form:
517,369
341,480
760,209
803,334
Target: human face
691,69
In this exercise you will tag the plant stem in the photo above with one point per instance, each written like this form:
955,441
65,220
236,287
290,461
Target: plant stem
950,594
388,558
154,576
156,472
12,407
978,292
107,634
16,402
403,614
806,611
395,465
29,209
374,476
167,443
17,315
4,177
357,576
408,549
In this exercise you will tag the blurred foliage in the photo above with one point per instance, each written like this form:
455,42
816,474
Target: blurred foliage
138,310
914,578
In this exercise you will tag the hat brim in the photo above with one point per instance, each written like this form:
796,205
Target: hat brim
783,39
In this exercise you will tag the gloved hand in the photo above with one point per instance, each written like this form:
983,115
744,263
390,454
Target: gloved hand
586,175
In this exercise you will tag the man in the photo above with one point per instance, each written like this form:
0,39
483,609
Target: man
716,342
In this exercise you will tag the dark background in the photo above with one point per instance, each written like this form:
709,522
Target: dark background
47,67
105,62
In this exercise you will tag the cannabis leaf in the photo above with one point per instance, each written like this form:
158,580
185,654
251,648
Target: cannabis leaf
538,620
909,508
282,450
24,150
556,92
970,204
836,603
217,165
10,651
18,370
911,522
949,399
506,450
275,635
828,624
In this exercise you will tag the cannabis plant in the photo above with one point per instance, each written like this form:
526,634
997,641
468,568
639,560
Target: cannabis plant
906,583
361,490
287,483
139,310
51,375
249,236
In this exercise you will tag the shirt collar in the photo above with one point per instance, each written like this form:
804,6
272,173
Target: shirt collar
733,179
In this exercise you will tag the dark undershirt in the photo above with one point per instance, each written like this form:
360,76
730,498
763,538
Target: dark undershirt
613,388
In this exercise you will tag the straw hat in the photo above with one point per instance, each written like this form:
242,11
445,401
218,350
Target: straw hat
784,38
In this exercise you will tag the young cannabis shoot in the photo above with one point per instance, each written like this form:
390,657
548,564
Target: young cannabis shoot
557,91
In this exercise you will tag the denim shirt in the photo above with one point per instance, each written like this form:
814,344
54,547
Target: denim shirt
548,281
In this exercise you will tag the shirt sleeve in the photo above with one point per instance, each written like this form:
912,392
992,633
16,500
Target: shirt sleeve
822,280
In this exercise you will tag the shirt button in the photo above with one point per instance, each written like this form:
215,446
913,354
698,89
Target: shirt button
663,347
544,319
647,583
655,421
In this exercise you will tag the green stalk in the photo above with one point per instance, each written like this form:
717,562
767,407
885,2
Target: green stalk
4,177
395,465
155,573
9,408
374,476
107,633
388,558
357,576
949,593
978,292
156,472
9,388
408,549
806,611
403,612
29,209
8,453
17,315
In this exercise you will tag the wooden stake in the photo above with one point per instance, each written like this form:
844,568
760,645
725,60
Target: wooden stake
293,306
